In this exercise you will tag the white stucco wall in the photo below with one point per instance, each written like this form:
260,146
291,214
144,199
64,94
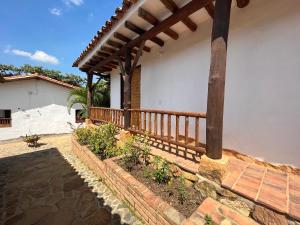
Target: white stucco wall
115,90
262,109
38,107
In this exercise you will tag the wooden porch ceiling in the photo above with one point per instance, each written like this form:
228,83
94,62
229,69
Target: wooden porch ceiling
106,57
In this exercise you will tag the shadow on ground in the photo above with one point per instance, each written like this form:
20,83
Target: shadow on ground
41,188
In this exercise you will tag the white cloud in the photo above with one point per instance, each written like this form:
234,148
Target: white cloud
56,12
21,53
73,2
44,57
38,55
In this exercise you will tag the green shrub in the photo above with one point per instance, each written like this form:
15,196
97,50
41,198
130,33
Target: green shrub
136,151
102,141
83,135
162,172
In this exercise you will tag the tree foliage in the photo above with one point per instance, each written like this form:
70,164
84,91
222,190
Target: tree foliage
101,96
10,70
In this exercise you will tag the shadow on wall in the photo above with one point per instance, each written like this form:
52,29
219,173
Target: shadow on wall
49,191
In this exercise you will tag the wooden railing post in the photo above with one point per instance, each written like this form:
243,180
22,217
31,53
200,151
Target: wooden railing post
127,89
216,85
89,93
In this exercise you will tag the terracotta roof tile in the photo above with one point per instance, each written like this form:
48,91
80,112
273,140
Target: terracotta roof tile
38,77
109,24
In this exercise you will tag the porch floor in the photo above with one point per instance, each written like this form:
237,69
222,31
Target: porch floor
272,188
275,189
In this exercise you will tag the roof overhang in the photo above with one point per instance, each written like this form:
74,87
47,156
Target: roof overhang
153,21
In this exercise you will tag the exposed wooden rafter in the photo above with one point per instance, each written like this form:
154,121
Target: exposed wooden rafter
242,3
179,15
125,39
171,5
210,8
131,26
154,21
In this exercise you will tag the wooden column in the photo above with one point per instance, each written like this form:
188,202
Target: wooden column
89,93
127,88
216,84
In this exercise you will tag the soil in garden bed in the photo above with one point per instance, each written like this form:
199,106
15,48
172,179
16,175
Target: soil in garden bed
168,192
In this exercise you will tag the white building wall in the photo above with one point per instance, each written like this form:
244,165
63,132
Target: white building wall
262,109
38,107
115,90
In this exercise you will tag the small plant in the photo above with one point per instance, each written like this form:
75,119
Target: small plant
131,153
136,151
102,141
183,194
32,140
147,173
208,220
143,143
83,135
162,173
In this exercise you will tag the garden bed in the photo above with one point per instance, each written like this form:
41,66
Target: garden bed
153,188
185,199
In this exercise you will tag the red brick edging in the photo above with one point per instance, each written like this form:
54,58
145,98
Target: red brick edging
149,207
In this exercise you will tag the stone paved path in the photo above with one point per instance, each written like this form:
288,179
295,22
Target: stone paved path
49,185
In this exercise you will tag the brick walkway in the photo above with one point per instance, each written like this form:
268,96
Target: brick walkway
221,213
275,189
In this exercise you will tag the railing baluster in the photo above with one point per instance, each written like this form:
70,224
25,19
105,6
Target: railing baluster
139,120
169,127
155,124
186,130
197,127
150,123
145,121
162,125
177,128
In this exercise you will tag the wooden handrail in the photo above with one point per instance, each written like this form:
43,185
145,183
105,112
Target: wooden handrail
175,113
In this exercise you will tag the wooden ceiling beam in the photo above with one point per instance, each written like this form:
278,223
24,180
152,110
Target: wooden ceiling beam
242,3
190,8
108,49
125,39
154,21
114,44
171,5
210,8
134,28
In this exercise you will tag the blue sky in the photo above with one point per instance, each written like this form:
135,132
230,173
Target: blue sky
50,33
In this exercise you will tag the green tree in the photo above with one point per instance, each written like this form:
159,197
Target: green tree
101,96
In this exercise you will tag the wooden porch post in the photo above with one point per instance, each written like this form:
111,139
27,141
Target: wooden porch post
216,84
89,92
127,88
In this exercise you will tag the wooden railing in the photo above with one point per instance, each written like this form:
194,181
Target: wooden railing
5,122
102,115
177,128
